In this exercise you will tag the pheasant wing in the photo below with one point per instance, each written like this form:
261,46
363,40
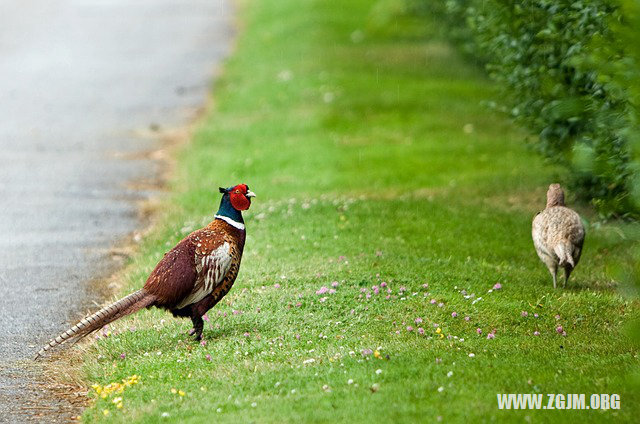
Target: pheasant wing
212,261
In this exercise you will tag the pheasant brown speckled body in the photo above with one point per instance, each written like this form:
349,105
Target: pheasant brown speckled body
558,235
202,269
191,278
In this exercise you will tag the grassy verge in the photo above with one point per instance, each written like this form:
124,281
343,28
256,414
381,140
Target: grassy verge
375,165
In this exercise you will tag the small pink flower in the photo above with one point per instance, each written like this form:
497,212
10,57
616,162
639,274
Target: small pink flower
332,291
258,310
363,290
247,334
322,290
375,290
536,333
564,333
557,317
479,330
418,320
387,297
440,305
403,288
207,357
454,314
368,296
420,330
383,284
409,328
335,284
205,317
524,313
323,299
535,315
342,258
203,342
467,318
490,336
299,304
435,325
367,352
236,312
559,329
425,286
123,355
276,285
297,336
497,286
432,301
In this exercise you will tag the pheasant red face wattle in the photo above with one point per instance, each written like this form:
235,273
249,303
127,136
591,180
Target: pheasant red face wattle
239,199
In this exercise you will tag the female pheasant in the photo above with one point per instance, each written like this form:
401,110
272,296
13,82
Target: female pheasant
558,234
191,278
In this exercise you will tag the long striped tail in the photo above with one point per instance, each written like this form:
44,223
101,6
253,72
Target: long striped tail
123,307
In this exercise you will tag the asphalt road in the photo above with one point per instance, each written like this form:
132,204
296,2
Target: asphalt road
79,81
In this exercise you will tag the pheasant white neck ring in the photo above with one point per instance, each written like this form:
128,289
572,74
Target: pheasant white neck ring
238,225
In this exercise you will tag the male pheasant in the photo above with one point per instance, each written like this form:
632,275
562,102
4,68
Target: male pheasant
191,278
558,234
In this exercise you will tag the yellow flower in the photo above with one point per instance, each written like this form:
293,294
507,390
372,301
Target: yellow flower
181,393
174,391
438,330
105,412
119,406
376,354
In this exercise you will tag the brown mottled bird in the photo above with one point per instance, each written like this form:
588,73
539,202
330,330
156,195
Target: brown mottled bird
558,234
191,278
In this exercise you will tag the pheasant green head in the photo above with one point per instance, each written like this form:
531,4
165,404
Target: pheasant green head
234,200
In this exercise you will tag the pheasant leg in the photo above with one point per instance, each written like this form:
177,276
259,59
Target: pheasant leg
198,325
567,273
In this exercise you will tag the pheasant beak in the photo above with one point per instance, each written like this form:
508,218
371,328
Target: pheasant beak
250,194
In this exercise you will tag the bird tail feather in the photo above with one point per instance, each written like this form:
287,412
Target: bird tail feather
564,251
121,308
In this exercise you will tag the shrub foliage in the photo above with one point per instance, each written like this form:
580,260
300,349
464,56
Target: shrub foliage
561,64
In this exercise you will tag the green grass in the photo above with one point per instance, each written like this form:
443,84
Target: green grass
365,138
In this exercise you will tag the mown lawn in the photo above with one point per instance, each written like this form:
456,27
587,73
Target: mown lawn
377,169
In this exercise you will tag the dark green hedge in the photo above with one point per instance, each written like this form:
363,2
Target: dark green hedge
564,69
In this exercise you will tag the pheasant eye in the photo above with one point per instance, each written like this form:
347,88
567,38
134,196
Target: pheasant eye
237,191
